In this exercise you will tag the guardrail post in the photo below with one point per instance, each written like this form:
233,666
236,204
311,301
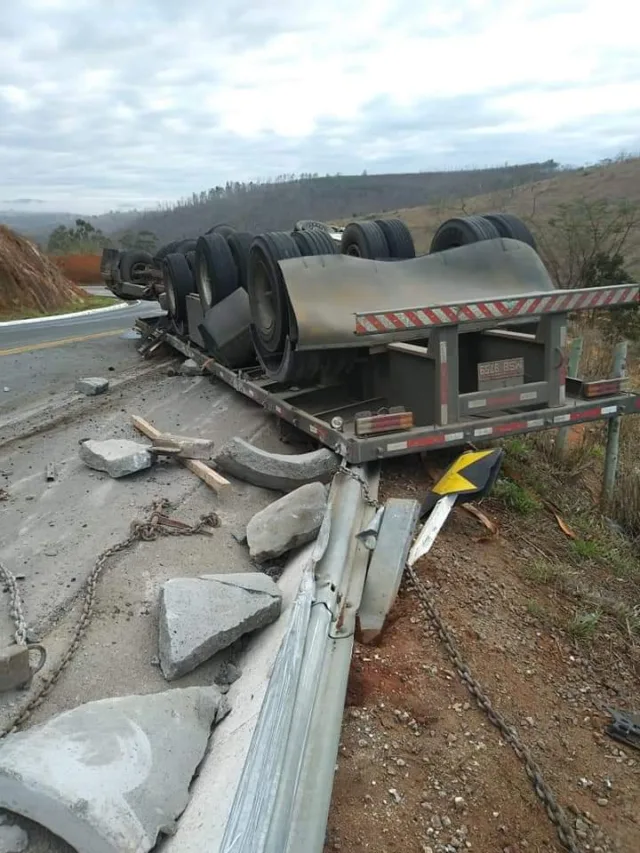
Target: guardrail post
575,354
613,429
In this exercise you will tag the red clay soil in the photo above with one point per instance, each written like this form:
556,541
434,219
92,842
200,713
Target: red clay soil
81,269
29,281
420,767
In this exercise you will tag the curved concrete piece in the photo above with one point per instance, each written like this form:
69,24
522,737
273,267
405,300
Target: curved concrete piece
279,471
109,776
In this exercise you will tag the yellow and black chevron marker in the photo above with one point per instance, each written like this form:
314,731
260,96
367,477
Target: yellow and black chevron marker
470,477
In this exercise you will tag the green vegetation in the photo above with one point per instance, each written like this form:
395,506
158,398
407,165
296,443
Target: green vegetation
515,497
84,239
91,302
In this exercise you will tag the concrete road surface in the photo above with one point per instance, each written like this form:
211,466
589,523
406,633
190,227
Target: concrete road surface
44,357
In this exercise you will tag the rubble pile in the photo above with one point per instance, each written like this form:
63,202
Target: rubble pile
29,281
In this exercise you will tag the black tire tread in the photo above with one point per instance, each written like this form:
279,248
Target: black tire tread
508,225
215,261
398,237
179,283
462,231
368,238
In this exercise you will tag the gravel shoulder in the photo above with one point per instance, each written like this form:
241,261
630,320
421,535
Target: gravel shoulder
421,768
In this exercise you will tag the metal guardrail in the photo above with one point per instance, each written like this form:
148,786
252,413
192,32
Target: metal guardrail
296,739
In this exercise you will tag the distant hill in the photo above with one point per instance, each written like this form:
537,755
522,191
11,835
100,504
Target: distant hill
535,202
38,225
279,204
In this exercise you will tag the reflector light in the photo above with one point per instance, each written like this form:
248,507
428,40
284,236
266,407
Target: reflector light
602,388
384,423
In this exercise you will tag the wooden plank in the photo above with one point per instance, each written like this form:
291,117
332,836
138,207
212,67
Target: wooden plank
208,475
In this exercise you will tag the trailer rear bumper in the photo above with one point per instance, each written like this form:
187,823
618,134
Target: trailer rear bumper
357,449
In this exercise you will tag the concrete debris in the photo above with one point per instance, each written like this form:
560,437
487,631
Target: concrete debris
288,522
6,389
280,471
200,616
227,674
109,776
116,456
13,839
190,368
92,386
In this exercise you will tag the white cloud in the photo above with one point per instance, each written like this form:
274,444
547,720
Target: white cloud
146,101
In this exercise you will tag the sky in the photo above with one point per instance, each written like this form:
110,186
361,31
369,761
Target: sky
110,104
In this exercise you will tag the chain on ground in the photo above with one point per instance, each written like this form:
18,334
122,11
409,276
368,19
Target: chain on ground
545,794
155,526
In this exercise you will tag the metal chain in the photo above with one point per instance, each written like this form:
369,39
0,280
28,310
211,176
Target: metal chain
554,811
156,525
364,487
15,606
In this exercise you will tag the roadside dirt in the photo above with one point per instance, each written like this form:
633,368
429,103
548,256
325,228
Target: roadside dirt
421,768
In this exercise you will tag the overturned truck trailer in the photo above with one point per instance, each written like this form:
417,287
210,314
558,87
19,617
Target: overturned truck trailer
394,355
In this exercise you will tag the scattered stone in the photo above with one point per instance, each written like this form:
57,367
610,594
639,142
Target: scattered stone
117,457
50,552
458,802
91,386
6,389
201,616
280,471
227,674
111,775
13,839
293,520
603,801
190,368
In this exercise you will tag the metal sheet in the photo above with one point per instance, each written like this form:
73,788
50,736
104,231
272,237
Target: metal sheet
327,291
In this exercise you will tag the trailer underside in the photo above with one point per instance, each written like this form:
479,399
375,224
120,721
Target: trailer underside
327,413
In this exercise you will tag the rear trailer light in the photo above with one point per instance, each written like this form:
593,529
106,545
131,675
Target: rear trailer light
373,424
602,388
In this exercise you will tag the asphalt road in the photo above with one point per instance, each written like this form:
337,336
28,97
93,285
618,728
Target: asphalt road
41,358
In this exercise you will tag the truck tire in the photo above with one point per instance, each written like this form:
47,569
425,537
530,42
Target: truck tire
398,237
462,231
364,240
508,225
220,228
191,260
132,263
178,284
312,224
216,272
239,243
165,250
185,246
314,242
267,294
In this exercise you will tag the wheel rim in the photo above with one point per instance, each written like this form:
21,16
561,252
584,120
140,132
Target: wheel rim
354,250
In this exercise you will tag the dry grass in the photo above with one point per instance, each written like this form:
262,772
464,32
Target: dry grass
536,203
29,282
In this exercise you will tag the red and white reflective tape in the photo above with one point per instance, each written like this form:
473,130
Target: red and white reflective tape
440,439
382,322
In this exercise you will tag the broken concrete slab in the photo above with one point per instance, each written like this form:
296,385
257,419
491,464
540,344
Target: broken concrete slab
279,471
387,564
110,776
199,617
190,368
91,386
117,457
290,521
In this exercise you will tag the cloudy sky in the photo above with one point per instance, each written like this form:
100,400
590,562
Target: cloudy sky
112,103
